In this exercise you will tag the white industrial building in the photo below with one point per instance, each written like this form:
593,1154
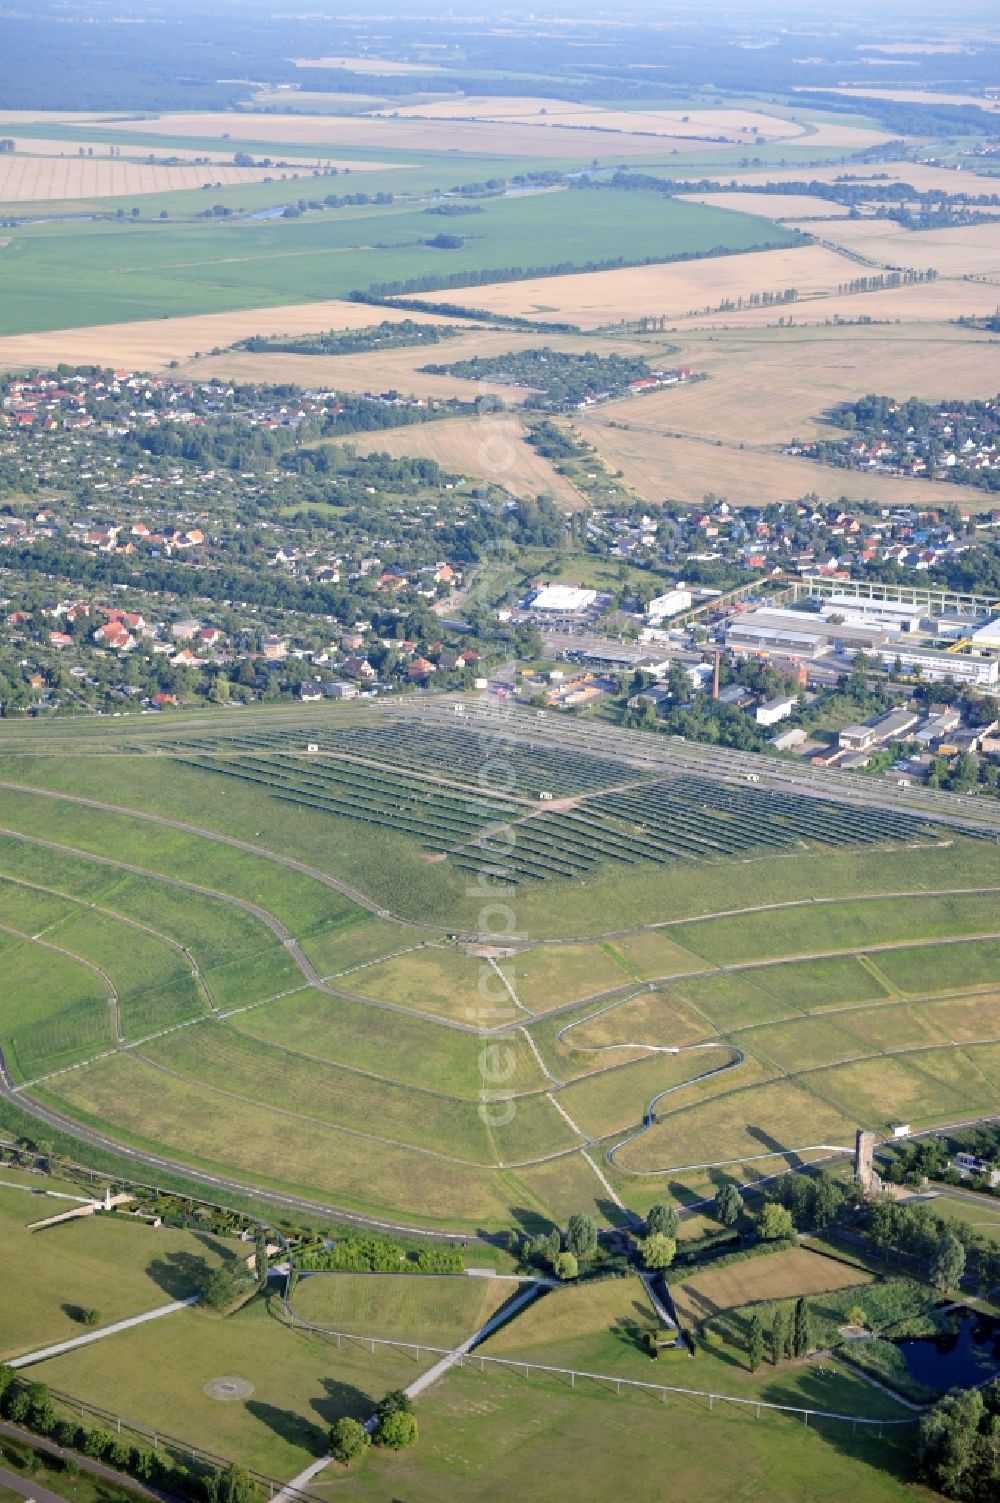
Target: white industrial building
803,632
961,668
988,636
668,605
773,710
565,600
892,615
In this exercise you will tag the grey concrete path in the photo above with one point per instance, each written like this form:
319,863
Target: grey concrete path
425,1380
45,1352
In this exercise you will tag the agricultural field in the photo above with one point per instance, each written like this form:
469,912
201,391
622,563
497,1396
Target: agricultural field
150,344
147,269
793,206
60,178
594,299
769,387
969,250
407,369
503,136
739,126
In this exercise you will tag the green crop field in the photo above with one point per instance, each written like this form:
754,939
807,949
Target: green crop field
63,275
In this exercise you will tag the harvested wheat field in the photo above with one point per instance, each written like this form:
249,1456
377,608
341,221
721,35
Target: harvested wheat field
768,386
396,370
926,302
42,117
341,132
37,146
963,251
48,179
843,137
914,96
667,468
490,448
149,344
741,126
674,289
770,205
783,1275
917,174
401,369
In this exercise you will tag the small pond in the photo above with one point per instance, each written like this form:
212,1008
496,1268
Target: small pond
968,1356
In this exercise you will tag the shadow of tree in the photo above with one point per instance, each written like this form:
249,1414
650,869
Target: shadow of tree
178,1274
781,1150
294,1428
343,1398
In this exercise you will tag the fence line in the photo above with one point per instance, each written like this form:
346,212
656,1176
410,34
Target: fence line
158,1440
527,1368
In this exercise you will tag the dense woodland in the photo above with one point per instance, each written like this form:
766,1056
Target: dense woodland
388,335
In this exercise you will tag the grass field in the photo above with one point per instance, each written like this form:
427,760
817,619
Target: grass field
156,1375
112,1264
482,1434
369,1100
428,1311
489,448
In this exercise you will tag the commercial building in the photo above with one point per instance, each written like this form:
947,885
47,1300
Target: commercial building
565,600
891,727
961,668
893,615
670,604
803,632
